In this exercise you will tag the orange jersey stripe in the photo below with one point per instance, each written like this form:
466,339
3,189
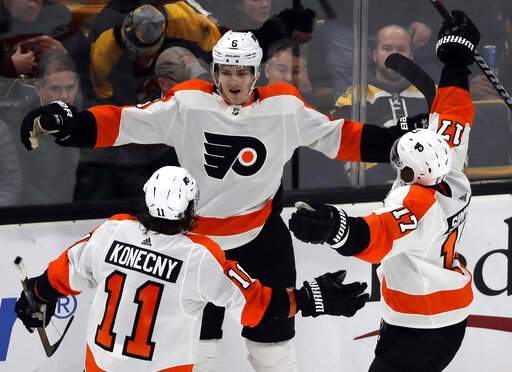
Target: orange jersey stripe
385,228
427,304
350,143
278,89
108,117
209,244
455,102
185,368
200,85
91,366
281,89
232,225
108,120
123,217
90,363
58,271
257,297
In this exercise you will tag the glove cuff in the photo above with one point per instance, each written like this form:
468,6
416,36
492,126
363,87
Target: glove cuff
341,235
455,40
44,291
310,300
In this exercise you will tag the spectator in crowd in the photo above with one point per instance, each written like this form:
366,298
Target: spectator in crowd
288,63
114,13
389,97
337,36
174,65
34,26
10,173
251,13
49,176
123,57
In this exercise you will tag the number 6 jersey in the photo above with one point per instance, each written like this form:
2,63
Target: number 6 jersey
150,293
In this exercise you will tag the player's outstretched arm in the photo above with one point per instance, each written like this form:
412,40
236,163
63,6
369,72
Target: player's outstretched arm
100,126
324,295
63,121
457,40
376,141
323,223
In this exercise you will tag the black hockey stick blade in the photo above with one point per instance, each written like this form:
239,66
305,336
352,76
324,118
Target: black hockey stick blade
480,61
49,349
414,74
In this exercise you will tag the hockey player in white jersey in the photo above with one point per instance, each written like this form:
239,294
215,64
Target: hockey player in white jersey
425,288
235,140
151,280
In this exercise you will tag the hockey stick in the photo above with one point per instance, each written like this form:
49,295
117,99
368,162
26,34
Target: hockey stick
328,9
414,74
48,347
489,74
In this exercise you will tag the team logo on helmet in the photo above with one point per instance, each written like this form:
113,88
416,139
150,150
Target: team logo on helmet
245,155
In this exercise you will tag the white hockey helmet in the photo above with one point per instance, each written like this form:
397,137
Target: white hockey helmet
169,192
237,49
421,156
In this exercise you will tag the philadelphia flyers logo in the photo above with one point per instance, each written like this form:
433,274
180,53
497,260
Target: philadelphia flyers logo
245,155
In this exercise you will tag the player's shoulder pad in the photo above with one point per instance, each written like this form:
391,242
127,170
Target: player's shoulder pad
416,198
210,245
280,88
200,85
122,217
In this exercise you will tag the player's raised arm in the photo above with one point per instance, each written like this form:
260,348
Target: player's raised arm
100,126
452,110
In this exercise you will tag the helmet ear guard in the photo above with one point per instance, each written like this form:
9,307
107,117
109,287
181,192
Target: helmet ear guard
407,175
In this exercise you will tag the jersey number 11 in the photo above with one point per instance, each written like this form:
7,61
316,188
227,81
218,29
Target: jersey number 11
147,297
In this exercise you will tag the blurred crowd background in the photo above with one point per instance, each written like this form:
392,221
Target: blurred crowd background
128,52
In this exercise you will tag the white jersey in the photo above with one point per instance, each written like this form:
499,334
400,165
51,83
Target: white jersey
416,235
236,153
150,293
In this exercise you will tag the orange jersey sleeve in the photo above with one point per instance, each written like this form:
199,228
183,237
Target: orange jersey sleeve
388,225
240,293
70,273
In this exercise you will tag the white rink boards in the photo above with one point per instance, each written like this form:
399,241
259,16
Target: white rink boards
325,344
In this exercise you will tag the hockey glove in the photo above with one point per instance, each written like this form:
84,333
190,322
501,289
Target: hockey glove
408,123
56,118
319,224
457,39
327,295
36,312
